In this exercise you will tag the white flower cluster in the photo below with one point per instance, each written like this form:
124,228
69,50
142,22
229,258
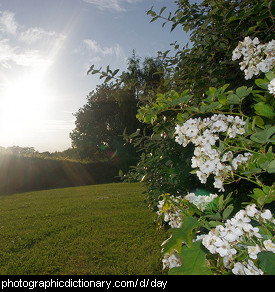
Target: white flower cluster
172,214
203,133
239,235
171,261
200,202
256,57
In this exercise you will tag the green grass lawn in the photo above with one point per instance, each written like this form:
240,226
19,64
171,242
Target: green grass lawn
92,230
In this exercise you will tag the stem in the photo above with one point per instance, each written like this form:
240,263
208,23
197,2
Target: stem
240,148
246,178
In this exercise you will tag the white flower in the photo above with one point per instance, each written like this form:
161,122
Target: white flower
228,261
202,177
218,183
237,161
224,248
230,233
238,269
236,55
251,231
251,269
264,66
240,159
227,156
243,268
266,214
238,121
171,261
253,251
271,86
208,167
171,215
270,47
240,219
192,131
251,210
240,131
209,240
256,41
232,132
196,161
269,245
219,126
208,138
199,237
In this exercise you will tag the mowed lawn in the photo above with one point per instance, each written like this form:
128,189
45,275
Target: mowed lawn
92,230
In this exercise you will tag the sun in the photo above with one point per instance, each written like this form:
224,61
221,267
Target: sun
23,105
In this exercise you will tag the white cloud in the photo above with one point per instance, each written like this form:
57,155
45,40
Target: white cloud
10,55
92,52
37,34
115,5
8,24
95,47
97,53
13,41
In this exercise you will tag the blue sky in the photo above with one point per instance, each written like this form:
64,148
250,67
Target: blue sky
46,49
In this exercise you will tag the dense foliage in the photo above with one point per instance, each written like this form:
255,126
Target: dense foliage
101,121
215,29
24,173
111,111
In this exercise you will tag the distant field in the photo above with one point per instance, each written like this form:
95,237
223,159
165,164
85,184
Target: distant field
95,230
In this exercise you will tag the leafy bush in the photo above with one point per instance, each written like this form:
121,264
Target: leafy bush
231,230
22,174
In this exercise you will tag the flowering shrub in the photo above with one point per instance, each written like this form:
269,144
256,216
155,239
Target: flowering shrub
232,137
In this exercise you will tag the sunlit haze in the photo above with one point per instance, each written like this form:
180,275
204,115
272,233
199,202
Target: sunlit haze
46,49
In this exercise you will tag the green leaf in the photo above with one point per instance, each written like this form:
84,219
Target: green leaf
211,92
174,243
263,196
193,261
264,110
243,91
227,212
267,262
115,72
188,225
258,121
180,235
263,136
262,83
271,167
252,29
221,202
162,9
233,99
258,193
270,75
222,99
